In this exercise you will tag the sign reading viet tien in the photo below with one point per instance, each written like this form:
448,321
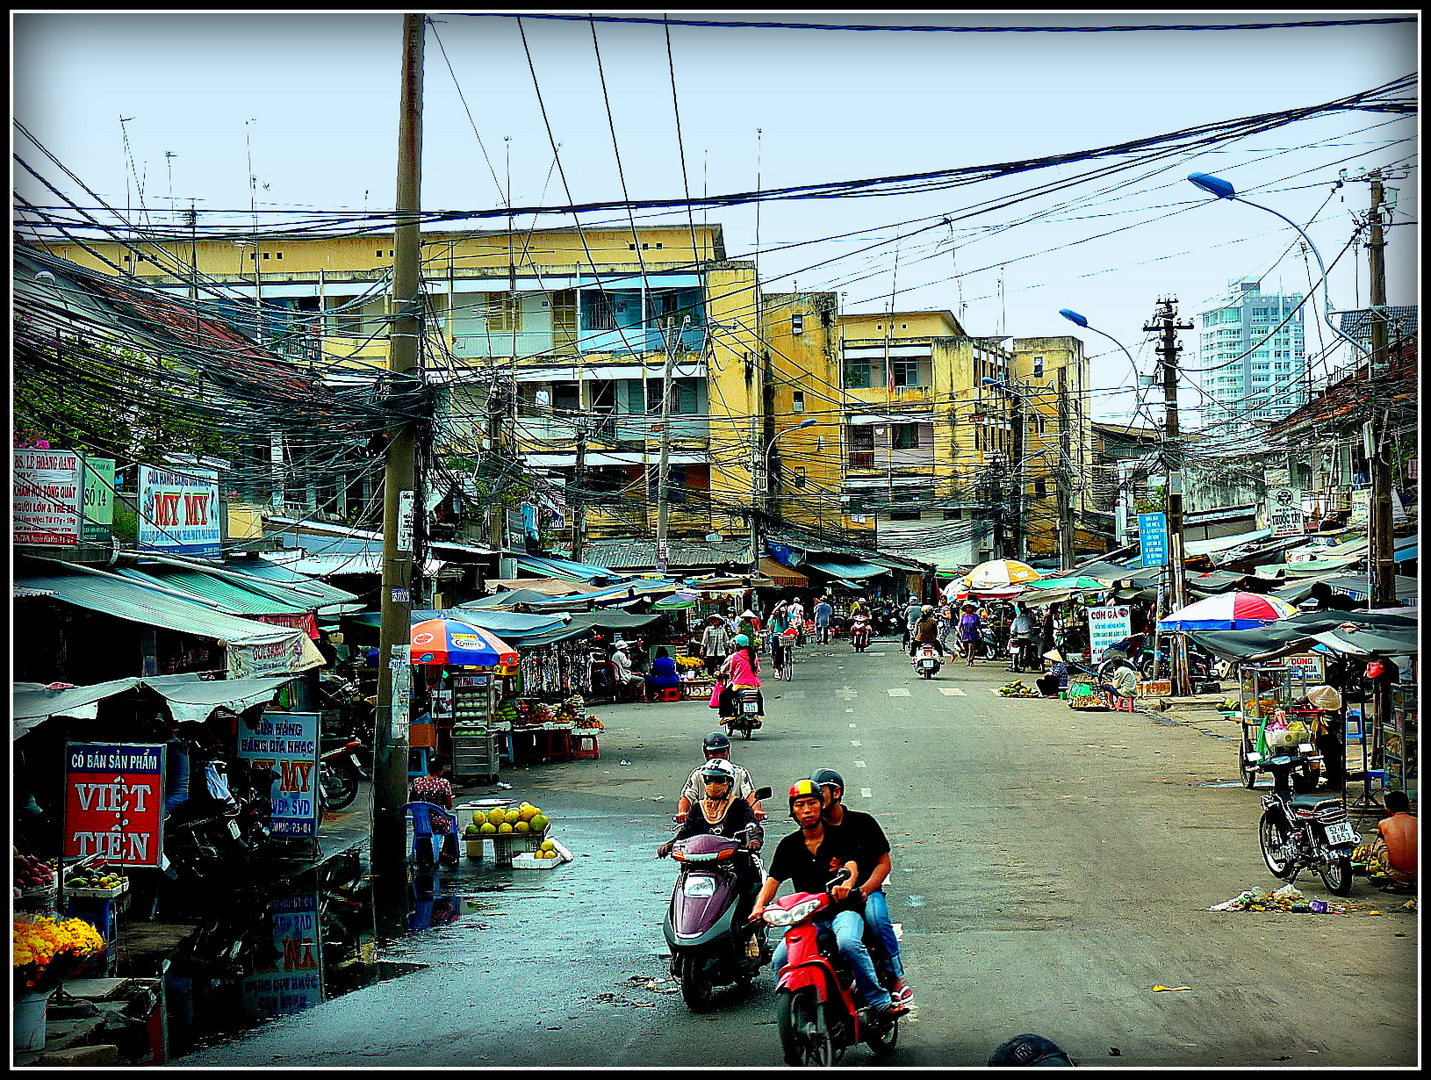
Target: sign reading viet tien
114,802
179,510
1107,626
47,503
287,743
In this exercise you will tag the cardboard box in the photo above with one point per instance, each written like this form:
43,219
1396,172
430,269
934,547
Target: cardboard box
1155,688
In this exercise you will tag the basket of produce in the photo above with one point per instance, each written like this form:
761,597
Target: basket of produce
1088,703
548,854
95,880
34,879
511,828
1017,689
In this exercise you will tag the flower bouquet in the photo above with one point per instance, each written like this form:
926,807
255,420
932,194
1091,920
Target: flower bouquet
46,951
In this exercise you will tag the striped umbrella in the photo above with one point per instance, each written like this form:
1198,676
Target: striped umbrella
1227,611
999,574
451,641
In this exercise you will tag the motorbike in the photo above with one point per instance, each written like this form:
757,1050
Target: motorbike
712,942
1023,654
888,623
860,633
815,998
1302,829
745,712
340,768
926,659
217,830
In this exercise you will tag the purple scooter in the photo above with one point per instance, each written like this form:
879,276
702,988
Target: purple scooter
707,926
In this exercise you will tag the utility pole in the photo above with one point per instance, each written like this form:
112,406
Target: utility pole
1165,322
1067,537
1382,554
671,338
400,505
578,500
756,469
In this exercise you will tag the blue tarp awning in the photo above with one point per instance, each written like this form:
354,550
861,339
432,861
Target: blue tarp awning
845,569
568,570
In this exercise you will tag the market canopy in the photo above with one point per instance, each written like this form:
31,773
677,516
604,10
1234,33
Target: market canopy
571,571
1366,641
1298,632
583,623
781,576
189,697
1076,582
848,569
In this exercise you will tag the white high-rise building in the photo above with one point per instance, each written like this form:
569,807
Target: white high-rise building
1252,357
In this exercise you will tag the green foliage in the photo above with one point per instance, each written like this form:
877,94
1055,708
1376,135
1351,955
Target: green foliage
1156,503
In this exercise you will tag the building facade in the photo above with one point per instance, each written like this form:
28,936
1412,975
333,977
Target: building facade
1251,350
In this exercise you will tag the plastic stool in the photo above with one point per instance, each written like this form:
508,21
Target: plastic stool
427,845
579,749
668,693
504,746
1122,704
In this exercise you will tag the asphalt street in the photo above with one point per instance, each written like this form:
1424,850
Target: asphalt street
1051,868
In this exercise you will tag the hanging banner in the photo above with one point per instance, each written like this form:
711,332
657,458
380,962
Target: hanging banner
1284,512
114,802
287,743
1106,627
306,622
98,498
285,656
1153,539
179,511
47,497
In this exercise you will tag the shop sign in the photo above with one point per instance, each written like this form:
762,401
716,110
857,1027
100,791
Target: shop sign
47,500
1107,626
305,622
290,978
281,657
287,743
179,511
1360,507
1307,666
1284,512
1153,539
114,802
98,498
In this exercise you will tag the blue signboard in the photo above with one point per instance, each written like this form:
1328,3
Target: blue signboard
1153,538
287,743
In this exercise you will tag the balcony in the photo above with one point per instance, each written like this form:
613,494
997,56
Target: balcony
638,339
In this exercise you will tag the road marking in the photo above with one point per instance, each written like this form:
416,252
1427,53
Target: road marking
849,693
952,691
850,710
864,793
793,694
898,693
854,742
859,764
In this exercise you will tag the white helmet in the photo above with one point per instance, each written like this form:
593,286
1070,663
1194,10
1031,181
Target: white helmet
718,769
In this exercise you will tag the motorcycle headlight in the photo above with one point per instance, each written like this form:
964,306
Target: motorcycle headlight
778,916
700,887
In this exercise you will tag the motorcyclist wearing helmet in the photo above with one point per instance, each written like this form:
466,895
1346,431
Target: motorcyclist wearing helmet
912,614
719,810
742,669
808,859
717,748
926,631
871,851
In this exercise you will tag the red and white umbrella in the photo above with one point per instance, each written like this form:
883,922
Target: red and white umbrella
999,574
1227,611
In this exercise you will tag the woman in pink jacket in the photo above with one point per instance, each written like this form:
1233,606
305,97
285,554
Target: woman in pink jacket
742,669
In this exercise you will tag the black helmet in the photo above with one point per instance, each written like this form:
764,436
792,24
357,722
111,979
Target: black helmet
1025,1050
828,778
716,742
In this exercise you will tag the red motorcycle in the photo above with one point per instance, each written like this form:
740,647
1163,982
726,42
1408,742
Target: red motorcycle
860,633
815,995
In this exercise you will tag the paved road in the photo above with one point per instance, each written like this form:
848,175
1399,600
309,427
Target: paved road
1051,867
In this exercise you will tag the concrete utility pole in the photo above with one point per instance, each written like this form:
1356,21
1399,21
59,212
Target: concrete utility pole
671,338
578,500
1382,554
400,505
1165,322
1067,537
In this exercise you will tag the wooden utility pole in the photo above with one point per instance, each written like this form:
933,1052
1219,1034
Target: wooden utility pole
1382,552
578,497
400,505
671,337
1165,322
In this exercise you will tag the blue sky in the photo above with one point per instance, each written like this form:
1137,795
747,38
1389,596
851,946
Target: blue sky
311,100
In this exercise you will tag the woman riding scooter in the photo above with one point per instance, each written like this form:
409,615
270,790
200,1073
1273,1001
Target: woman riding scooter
741,670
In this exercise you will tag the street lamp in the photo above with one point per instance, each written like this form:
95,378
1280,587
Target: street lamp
763,474
1223,190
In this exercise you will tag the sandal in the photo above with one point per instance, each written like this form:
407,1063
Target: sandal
903,996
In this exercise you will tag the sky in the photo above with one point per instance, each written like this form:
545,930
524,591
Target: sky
153,111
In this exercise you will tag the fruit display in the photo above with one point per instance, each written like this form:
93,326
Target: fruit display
690,663
94,876
589,723
31,874
570,710
1088,703
525,820
1017,689
506,712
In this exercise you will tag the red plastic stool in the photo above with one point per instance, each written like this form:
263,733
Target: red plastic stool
1123,704
579,748
668,693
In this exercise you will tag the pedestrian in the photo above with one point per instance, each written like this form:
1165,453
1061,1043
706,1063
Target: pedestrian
715,644
796,610
1394,849
435,788
912,612
944,616
969,631
823,611
779,623
749,625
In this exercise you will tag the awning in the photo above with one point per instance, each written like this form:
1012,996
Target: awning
510,626
1371,642
189,697
846,569
587,622
782,577
1296,633
358,562
565,568
230,598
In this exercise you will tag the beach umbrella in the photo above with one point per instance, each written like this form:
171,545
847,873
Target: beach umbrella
452,641
999,574
1227,611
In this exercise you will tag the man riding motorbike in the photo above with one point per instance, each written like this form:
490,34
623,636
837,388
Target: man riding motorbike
926,631
717,748
808,859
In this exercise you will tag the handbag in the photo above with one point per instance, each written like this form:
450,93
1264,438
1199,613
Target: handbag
716,691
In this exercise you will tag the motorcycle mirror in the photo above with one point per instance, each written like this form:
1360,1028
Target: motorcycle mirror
761,794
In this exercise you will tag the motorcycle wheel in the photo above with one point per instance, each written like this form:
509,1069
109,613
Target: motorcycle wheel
695,990
337,788
928,674
1274,839
882,1040
1337,875
804,1036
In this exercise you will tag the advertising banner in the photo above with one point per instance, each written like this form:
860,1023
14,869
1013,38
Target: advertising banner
179,511
289,977
47,501
114,802
1153,539
1107,626
98,498
287,743
282,657
1306,666
1284,512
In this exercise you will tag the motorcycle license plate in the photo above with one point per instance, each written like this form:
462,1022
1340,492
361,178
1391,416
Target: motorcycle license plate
354,759
1341,833
234,829
750,708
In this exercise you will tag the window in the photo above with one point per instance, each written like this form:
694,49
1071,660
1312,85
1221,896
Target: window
797,477
798,401
503,313
1038,367
906,373
862,438
953,515
797,324
904,515
859,375
904,436
1041,488
601,311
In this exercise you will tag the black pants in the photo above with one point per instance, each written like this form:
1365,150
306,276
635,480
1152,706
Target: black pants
914,646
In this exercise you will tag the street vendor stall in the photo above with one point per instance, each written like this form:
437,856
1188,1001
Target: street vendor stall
1275,710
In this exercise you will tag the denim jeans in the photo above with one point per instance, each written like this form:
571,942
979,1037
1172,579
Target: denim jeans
877,917
849,934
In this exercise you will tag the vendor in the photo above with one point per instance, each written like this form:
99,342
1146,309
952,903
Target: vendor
1123,682
663,674
625,677
1394,850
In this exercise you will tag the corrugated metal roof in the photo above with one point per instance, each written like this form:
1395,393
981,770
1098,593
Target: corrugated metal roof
134,602
640,554
321,593
231,598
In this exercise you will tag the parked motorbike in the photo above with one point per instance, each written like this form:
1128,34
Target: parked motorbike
217,830
887,623
1023,654
340,768
1302,829
745,712
815,997
712,941
860,633
926,659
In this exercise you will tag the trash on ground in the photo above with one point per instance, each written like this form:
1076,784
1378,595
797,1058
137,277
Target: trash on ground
1287,898
1170,989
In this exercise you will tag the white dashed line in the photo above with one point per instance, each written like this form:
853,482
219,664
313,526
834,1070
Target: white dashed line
859,764
952,691
864,793
854,742
850,710
900,692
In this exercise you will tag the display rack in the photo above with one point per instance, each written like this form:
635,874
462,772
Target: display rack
1263,690
1399,750
474,742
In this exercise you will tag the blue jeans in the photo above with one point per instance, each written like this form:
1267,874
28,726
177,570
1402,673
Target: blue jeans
877,917
849,934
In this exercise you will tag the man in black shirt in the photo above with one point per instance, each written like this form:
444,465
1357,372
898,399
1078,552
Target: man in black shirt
871,851
808,859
